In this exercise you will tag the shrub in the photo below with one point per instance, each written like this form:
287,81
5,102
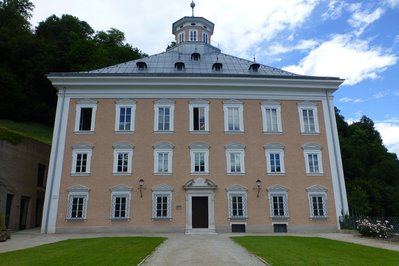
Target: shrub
378,229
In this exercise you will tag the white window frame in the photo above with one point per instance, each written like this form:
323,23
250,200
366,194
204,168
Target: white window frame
162,191
274,148
237,191
278,191
196,148
193,35
81,149
164,104
121,192
317,191
181,37
273,106
163,147
201,104
125,104
313,149
306,129
235,148
85,104
77,192
205,37
226,107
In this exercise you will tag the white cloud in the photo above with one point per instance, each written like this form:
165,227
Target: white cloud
241,26
396,93
392,3
302,45
335,10
346,57
389,130
361,19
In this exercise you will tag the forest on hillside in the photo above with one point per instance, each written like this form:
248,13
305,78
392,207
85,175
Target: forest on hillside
64,44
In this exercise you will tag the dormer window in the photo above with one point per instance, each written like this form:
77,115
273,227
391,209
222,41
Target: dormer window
254,67
195,56
141,65
217,67
179,66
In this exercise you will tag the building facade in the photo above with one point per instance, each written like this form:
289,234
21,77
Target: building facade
194,140
22,182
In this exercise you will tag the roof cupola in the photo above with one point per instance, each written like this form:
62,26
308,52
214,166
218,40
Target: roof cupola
193,29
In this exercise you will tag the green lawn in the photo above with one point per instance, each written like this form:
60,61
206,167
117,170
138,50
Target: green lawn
93,251
291,250
13,131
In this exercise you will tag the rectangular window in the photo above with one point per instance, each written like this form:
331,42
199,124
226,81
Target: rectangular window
205,37
193,35
237,205
233,117
200,162
123,162
85,118
164,117
77,207
41,172
181,37
199,116
313,163
235,162
81,161
125,118
161,205
318,205
163,162
278,204
275,163
120,206
85,115
308,119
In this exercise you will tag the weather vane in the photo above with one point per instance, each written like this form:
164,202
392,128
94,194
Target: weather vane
192,7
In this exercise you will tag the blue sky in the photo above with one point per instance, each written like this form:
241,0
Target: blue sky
354,40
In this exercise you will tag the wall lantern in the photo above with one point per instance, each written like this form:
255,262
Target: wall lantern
141,184
258,182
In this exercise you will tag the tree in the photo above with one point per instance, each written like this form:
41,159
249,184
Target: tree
371,172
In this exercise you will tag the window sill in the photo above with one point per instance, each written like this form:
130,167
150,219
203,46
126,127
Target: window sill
199,132
314,174
321,218
199,173
122,174
232,132
84,132
164,132
242,218
80,174
276,174
167,174
310,133
121,132
274,218
273,132
237,174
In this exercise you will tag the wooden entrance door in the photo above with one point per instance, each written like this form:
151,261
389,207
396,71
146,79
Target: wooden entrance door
199,210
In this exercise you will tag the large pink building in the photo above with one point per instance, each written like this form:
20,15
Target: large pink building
194,140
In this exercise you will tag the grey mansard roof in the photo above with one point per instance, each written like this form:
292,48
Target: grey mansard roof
164,64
